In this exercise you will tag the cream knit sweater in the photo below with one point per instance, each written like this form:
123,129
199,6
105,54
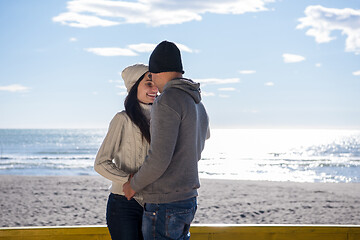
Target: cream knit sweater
122,152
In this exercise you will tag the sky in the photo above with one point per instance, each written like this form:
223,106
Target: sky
260,63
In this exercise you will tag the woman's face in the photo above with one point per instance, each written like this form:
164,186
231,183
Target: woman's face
147,91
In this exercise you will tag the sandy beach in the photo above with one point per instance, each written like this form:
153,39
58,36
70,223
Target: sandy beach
81,200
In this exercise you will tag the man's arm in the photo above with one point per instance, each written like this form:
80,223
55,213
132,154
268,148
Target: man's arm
164,130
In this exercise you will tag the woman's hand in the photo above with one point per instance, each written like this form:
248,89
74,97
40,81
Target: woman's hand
129,192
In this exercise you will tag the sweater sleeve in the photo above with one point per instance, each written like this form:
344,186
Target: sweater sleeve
164,131
104,164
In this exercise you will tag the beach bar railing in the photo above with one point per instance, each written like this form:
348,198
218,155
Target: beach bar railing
198,232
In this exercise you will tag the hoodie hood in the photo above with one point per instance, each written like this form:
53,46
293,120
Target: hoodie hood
187,85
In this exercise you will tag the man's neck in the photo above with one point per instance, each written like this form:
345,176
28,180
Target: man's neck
173,75
167,77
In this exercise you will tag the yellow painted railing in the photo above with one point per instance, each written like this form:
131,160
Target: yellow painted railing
198,232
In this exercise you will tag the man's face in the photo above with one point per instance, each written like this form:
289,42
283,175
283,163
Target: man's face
156,78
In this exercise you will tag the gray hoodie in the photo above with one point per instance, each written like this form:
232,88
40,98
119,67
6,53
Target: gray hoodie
179,126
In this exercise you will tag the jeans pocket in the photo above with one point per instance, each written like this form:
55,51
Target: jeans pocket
177,223
149,223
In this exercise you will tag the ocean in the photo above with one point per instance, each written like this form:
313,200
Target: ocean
297,155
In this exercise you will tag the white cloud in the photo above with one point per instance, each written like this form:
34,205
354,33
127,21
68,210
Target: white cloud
217,80
269,84
229,89
112,51
292,58
247,72
14,88
73,39
253,111
149,47
207,94
116,81
142,47
132,49
318,64
74,19
184,48
322,21
224,96
91,13
357,73
122,93
121,87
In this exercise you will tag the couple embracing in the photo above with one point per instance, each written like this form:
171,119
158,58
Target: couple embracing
152,149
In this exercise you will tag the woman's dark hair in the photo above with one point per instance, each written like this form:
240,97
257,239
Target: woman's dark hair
134,111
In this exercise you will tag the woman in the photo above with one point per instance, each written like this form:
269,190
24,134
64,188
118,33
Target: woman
124,150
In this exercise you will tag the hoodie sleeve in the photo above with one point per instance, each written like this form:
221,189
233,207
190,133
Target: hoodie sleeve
165,123
104,164
208,133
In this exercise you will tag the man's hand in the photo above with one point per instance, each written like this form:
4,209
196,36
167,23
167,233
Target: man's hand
129,192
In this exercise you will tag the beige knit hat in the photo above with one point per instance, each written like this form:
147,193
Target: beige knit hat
132,73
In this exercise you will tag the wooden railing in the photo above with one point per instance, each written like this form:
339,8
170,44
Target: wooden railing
198,232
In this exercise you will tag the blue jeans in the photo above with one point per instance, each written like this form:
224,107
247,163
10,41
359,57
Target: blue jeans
124,218
168,220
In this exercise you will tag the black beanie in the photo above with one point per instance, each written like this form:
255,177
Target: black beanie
166,57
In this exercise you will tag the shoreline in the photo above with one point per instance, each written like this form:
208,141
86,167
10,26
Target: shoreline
81,200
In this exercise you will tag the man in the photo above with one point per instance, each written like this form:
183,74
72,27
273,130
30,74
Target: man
179,126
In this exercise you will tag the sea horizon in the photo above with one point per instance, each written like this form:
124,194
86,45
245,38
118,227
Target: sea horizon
297,155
